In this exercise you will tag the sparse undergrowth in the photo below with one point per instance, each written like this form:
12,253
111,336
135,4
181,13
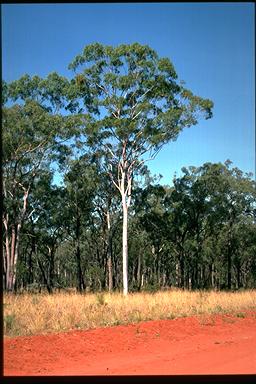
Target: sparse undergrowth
28,314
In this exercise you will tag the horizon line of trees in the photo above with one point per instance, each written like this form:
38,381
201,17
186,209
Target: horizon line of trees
199,233
98,130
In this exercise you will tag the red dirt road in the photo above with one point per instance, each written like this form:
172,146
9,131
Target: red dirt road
205,345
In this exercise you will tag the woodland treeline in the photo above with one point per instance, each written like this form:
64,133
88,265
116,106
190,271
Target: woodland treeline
64,194
199,233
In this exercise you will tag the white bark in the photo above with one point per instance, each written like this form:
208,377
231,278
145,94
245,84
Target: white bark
12,244
16,251
124,185
125,248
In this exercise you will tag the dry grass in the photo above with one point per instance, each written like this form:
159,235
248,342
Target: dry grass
28,314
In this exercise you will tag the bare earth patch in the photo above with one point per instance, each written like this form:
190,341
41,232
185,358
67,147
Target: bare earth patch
217,344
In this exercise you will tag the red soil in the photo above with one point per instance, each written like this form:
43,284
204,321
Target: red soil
196,345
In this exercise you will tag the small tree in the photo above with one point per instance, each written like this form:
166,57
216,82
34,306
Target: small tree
135,106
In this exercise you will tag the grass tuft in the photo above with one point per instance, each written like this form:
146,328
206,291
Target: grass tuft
9,322
240,314
100,298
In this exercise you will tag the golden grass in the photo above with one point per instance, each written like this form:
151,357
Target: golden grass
28,314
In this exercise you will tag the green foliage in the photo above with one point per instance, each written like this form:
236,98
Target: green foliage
134,95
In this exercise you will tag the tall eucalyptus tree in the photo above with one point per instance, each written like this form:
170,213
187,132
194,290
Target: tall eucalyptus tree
135,105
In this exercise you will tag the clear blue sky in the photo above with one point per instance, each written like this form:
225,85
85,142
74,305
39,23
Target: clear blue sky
210,44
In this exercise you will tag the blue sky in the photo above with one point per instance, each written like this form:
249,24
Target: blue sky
210,44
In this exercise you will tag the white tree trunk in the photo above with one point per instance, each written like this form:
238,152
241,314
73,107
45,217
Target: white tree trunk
124,185
15,258
125,248
12,244
177,275
6,253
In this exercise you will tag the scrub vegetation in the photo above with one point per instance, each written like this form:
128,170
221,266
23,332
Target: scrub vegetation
30,314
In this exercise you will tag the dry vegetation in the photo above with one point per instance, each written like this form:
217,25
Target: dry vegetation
29,314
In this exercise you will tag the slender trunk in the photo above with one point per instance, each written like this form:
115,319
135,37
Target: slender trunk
142,280
6,255
51,253
153,272
229,263
229,269
125,248
12,256
30,266
80,280
4,268
124,186
139,272
182,275
114,269
229,255
109,257
164,280
238,276
177,280
110,274
126,200
42,269
212,272
16,251
190,283
201,283
133,275
158,267
195,278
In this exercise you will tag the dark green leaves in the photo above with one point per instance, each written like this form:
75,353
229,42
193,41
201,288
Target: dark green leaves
167,67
